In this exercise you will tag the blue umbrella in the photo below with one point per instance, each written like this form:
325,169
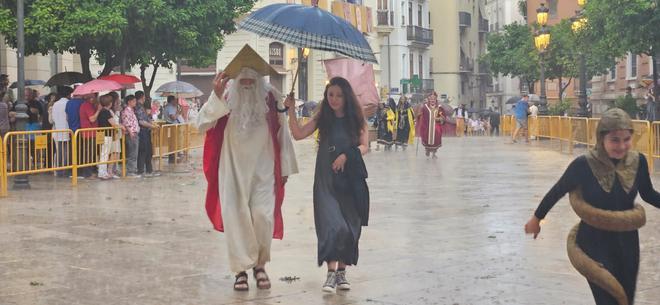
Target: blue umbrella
309,27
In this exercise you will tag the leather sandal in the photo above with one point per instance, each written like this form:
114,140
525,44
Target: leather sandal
241,279
264,282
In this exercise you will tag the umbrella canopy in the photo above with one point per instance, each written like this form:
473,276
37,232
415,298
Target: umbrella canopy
124,79
67,79
513,100
179,89
309,27
96,86
28,82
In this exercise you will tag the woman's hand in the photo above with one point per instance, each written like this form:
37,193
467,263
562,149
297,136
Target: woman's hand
338,165
290,103
219,84
533,226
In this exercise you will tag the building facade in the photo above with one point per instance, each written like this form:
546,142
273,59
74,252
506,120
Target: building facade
459,32
634,71
500,13
405,46
286,59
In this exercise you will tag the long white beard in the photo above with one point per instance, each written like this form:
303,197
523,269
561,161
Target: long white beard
248,105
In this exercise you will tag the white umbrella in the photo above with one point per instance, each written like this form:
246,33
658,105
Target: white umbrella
179,89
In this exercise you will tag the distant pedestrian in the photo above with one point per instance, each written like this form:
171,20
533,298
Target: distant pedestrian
405,124
494,123
63,154
87,145
144,165
521,112
106,120
130,122
430,121
386,126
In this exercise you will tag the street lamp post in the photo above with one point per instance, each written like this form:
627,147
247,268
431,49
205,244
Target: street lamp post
20,146
579,21
541,41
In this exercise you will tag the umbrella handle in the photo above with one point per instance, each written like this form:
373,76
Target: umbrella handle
293,85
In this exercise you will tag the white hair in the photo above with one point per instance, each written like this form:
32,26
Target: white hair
248,103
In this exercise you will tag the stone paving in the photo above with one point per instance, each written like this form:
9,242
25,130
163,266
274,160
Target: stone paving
446,231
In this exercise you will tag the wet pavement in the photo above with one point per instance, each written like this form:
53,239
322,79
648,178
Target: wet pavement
445,231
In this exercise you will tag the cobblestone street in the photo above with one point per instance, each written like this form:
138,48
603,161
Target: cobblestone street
445,231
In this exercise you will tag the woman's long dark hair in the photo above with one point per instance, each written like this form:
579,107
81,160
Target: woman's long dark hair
352,112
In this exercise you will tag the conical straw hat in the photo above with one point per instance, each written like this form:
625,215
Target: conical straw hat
248,58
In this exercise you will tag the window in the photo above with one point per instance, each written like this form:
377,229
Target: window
431,65
382,4
403,15
421,65
419,15
631,66
612,75
412,65
410,13
651,67
403,64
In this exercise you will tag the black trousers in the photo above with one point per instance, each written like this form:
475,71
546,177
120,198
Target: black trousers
145,152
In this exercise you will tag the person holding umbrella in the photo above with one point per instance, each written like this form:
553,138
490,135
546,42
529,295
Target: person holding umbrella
341,195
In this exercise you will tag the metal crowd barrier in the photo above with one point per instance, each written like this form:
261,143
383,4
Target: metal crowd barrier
570,131
33,152
98,146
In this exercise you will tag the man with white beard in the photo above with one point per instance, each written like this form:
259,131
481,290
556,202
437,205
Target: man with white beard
248,156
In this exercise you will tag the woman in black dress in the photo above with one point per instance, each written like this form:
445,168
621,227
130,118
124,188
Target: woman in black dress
603,184
340,191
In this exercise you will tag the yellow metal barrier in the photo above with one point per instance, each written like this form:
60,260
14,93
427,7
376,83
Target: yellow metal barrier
173,140
98,146
32,152
3,171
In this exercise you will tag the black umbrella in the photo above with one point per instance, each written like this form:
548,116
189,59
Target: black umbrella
513,100
67,79
28,82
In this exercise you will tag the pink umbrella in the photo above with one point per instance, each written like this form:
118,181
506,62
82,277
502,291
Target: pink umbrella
96,86
361,77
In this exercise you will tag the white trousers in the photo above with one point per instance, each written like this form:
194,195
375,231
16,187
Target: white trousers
104,156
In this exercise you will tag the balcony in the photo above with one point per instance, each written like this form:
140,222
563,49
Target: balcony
464,19
385,21
420,36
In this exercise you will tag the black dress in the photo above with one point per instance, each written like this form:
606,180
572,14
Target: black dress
403,127
337,221
385,136
618,252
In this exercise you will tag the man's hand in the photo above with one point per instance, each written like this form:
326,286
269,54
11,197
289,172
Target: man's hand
533,226
338,165
220,84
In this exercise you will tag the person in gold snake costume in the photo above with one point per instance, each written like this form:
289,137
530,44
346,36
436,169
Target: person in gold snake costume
603,185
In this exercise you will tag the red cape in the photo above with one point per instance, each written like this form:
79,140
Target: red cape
213,148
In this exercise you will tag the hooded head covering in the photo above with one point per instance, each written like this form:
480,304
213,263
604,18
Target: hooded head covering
602,166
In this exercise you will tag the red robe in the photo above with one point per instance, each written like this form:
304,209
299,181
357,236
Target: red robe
211,160
430,129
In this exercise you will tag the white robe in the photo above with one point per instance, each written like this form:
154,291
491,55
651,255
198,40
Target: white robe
246,183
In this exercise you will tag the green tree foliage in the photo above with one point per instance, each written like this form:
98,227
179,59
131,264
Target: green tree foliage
512,53
628,104
126,32
560,108
621,26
